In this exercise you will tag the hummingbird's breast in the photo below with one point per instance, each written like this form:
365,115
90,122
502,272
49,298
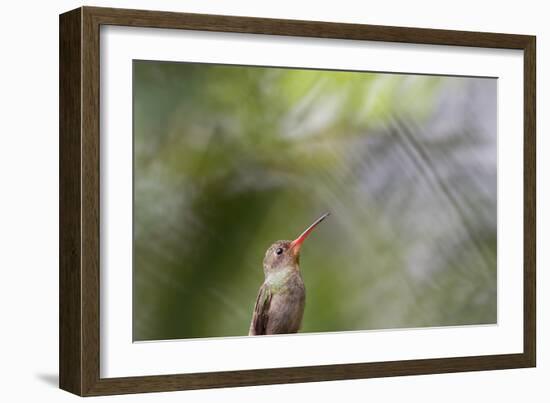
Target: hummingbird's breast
287,306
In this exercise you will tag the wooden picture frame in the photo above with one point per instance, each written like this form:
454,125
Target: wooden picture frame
80,186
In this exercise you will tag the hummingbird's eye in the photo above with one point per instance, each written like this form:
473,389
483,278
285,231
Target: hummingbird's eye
279,251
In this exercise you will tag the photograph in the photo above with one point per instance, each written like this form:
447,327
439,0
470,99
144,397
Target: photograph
252,200
283,200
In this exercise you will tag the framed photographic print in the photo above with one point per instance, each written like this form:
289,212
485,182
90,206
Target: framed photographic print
249,201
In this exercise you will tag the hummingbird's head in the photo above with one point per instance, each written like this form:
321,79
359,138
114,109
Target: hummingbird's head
286,254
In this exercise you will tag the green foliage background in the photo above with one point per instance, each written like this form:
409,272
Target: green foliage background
228,159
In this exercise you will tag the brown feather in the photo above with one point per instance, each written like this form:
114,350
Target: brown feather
260,317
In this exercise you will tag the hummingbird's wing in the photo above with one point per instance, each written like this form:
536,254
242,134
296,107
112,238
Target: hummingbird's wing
261,312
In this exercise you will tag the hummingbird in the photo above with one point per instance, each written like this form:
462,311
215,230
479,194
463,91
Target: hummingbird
281,300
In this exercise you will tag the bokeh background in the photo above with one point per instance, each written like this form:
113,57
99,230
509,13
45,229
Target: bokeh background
229,159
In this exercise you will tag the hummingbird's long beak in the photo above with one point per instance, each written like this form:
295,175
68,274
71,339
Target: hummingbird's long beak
297,243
